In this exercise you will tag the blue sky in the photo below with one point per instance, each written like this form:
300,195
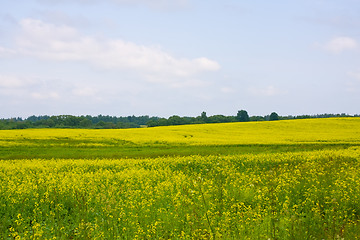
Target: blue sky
180,57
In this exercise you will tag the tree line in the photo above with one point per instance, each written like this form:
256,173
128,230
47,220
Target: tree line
70,121
113,122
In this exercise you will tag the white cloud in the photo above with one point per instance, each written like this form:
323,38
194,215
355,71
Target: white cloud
341,44
8,81
39,88
85,91
64,43
155,3
268,91
6,52
45,96
227,90
27,88
158,4
355,75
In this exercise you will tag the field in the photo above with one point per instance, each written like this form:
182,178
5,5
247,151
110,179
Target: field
295,179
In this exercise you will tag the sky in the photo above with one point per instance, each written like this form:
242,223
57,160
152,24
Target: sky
179,57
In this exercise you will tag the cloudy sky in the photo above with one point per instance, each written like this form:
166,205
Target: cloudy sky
179,57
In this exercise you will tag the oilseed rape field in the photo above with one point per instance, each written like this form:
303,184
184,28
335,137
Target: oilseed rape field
294,179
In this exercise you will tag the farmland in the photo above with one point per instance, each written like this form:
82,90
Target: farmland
295,179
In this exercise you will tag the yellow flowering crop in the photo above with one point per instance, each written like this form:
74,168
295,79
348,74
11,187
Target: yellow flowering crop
282,193
333,130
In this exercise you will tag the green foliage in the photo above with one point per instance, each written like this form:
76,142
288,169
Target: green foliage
274,116
242,116
176,120
257,118
85,123
111,122
69,121
203,117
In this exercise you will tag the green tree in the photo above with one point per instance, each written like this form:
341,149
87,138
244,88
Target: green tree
100,124
242,116
274,116
152,123
49,122
176,120
204,117
219,119
85,123
163,122
257,118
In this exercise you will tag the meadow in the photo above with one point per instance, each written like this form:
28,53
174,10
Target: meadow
294,179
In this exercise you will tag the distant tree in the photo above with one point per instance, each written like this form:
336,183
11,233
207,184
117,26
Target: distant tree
242,116
100,124
132,119
219,119
71,121
49,122
203,117
274,116
33,118
257,118
109,125
176,120
152,123
23,124
163,122
85,123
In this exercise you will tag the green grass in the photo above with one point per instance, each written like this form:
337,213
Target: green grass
70,149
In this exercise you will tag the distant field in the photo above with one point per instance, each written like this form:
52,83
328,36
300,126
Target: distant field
294,179
205,139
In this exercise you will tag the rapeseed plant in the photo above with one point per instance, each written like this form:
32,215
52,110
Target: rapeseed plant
199,197
312,194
